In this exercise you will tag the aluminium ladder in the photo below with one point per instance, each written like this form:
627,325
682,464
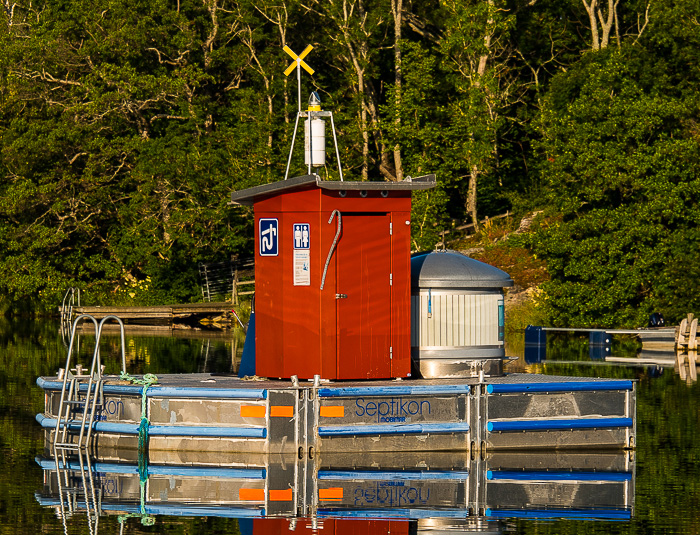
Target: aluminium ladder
74,491
82,395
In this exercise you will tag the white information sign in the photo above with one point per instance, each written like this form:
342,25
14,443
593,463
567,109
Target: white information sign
302,272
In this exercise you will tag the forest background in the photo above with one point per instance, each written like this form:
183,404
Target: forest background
126,124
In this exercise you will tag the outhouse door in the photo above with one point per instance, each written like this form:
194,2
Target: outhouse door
363,296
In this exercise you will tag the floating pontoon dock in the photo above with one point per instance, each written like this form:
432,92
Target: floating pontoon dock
356,486
227,415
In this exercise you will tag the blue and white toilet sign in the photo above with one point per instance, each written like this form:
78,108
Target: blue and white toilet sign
302,236
268,236
302,254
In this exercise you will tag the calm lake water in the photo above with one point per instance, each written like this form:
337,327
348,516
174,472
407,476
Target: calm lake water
661,483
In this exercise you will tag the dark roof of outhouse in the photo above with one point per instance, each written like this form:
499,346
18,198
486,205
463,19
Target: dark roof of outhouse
251,195
451,269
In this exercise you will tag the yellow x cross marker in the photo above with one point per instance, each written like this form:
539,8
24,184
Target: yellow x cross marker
298,60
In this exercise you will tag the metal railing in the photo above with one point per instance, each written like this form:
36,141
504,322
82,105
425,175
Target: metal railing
71,299
224,280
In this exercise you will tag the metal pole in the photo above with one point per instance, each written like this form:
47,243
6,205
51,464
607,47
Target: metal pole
299,85
291,149
337,153
309,120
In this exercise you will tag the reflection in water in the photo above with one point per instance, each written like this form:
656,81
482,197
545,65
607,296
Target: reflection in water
373,493
683,362
201,351
666,474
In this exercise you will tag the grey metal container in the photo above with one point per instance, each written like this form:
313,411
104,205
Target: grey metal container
457,316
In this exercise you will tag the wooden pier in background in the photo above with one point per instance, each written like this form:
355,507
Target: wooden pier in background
220,311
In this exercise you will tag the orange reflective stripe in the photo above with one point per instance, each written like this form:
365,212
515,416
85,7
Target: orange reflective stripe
252,411
251,495
285,495
332,411
334,494
282,410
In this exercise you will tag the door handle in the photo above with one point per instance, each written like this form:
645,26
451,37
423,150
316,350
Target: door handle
341,296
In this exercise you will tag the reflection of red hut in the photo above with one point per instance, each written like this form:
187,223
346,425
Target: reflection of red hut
333,277
329,526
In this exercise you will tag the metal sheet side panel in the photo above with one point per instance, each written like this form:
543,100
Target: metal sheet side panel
395,443
416,494
389,411
303,336
457,320
558,419
288,317
269,322
401,291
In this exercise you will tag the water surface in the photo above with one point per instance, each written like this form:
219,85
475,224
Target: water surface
666,463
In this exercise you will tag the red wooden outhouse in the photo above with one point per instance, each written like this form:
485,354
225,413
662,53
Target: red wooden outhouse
332,277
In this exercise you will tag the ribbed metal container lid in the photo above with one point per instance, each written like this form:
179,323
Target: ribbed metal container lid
451,269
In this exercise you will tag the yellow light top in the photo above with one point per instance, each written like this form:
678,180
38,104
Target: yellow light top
314,102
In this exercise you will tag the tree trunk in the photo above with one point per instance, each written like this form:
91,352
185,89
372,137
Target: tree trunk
164,192
358,51
363,120
591,10
607,23
397,9
471,196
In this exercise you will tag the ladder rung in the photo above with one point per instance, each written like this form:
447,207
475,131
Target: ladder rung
81,403
74,425
67,446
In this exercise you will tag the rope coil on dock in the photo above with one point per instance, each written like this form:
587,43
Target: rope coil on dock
146,381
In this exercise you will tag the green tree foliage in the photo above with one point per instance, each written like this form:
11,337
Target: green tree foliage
622,157
416,129
476,47
123,131
125,126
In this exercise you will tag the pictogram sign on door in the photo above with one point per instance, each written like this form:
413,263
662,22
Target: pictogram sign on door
363,292
267,236
302,254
